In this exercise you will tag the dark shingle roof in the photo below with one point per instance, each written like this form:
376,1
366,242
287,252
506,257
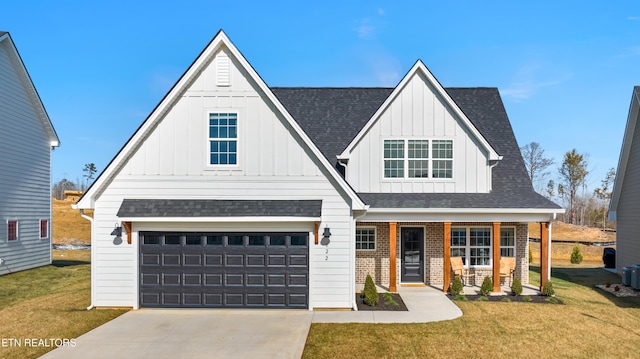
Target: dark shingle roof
332,117
219,208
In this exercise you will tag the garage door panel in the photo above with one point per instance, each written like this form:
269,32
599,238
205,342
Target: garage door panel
192,260
256,280
213,260
217,270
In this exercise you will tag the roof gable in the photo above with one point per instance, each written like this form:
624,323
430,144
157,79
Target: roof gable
625,151
420,68
220,41
7,42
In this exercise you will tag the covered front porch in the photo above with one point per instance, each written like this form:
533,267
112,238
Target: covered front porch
399,254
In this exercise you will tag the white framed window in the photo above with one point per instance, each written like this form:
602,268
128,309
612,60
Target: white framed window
44,229
507,241
473,244
418,158
223,139
366,238
12,230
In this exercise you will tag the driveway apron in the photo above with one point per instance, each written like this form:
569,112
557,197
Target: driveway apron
195,333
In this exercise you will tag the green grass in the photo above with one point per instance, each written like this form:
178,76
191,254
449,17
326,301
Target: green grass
591,324
48,303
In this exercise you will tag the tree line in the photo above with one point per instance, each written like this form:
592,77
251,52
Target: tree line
58,188
583,207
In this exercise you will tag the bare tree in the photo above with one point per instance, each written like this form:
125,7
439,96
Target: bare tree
90,170
604,193
573,174
536,163
57,191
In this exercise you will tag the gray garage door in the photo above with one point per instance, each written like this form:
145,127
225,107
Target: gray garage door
223,270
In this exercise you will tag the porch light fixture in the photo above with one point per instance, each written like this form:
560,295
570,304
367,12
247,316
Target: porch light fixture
325,236
117,231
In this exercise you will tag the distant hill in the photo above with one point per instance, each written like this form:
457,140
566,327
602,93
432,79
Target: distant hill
68,227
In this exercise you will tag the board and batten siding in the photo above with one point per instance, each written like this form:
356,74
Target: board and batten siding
25,173
418,112
273,163
628,211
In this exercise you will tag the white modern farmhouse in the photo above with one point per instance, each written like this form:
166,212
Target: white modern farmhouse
26,141
235,194
625,200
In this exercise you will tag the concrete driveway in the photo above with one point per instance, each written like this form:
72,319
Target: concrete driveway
195,333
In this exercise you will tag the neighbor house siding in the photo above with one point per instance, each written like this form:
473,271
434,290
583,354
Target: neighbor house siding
628,218
24,172
272,164
418,112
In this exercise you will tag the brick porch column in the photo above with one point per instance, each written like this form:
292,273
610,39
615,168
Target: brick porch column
392,257
545,259
496,256
446,255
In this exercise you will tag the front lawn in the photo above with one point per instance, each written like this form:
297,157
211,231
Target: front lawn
48,304
592,323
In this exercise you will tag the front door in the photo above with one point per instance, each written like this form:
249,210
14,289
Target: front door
412,254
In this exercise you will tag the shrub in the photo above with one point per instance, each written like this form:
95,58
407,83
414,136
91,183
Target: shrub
487,286
482,298
616,288
506,299
516,286
456,287
370,291
576,255
526,299
388,299
547,289
607,285
462,297
530,256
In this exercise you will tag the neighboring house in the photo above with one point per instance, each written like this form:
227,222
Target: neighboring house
26,141
625,200
234,194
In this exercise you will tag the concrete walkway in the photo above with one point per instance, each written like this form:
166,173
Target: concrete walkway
237,333
425,304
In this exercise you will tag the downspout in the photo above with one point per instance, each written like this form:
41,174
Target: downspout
353,281
83,215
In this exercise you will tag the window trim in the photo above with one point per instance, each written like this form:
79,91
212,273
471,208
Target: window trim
16,236
405,160
207,140
375,239
515,241
46,228
467,247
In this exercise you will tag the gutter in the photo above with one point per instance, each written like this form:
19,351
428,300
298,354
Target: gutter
83,215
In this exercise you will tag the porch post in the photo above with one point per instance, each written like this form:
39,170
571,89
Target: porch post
447,256
496,256
392,257
545,259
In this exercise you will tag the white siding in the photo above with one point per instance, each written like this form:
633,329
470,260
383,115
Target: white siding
419,112
172,163
628,211
24,173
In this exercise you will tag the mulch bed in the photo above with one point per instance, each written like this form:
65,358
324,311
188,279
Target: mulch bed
621,291
508,298
399,306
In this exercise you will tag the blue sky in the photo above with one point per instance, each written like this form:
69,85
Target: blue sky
565,69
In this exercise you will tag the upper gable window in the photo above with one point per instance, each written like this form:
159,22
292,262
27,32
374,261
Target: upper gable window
223,138
418,158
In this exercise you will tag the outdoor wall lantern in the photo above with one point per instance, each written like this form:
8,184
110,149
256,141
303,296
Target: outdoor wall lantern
325,236
117,231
